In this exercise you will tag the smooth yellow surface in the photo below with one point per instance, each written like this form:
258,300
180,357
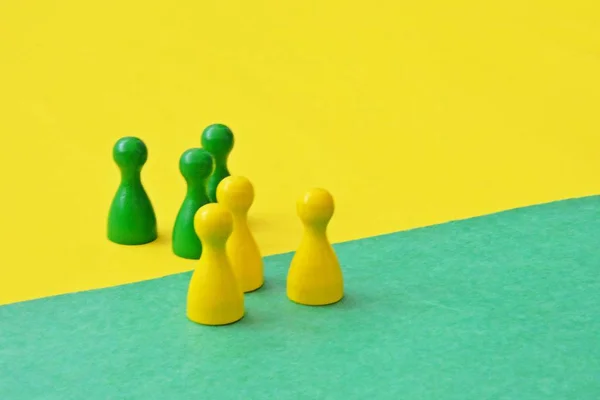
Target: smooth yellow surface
214,296
411,113
237,195
315,276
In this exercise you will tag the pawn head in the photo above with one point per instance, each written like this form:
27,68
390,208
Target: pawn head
196,165
213,224
218,140
236,193
316,207
130,153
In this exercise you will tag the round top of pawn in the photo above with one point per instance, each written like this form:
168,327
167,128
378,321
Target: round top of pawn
196,165
236,193
218,140
213,224
130,153
315,207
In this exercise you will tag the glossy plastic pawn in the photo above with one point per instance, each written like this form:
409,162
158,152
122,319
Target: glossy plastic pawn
131,219
237,194
195,166
315,276
214,296
218,140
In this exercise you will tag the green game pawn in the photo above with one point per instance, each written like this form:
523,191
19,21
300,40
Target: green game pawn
195,165
131,220
217,139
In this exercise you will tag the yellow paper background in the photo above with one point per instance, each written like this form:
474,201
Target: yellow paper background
410,113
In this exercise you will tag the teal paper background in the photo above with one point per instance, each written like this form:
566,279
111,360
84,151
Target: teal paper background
505,306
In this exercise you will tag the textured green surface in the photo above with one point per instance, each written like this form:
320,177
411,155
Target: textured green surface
499,307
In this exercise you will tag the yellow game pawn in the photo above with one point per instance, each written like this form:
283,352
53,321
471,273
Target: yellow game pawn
315,276
237,194
214,296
